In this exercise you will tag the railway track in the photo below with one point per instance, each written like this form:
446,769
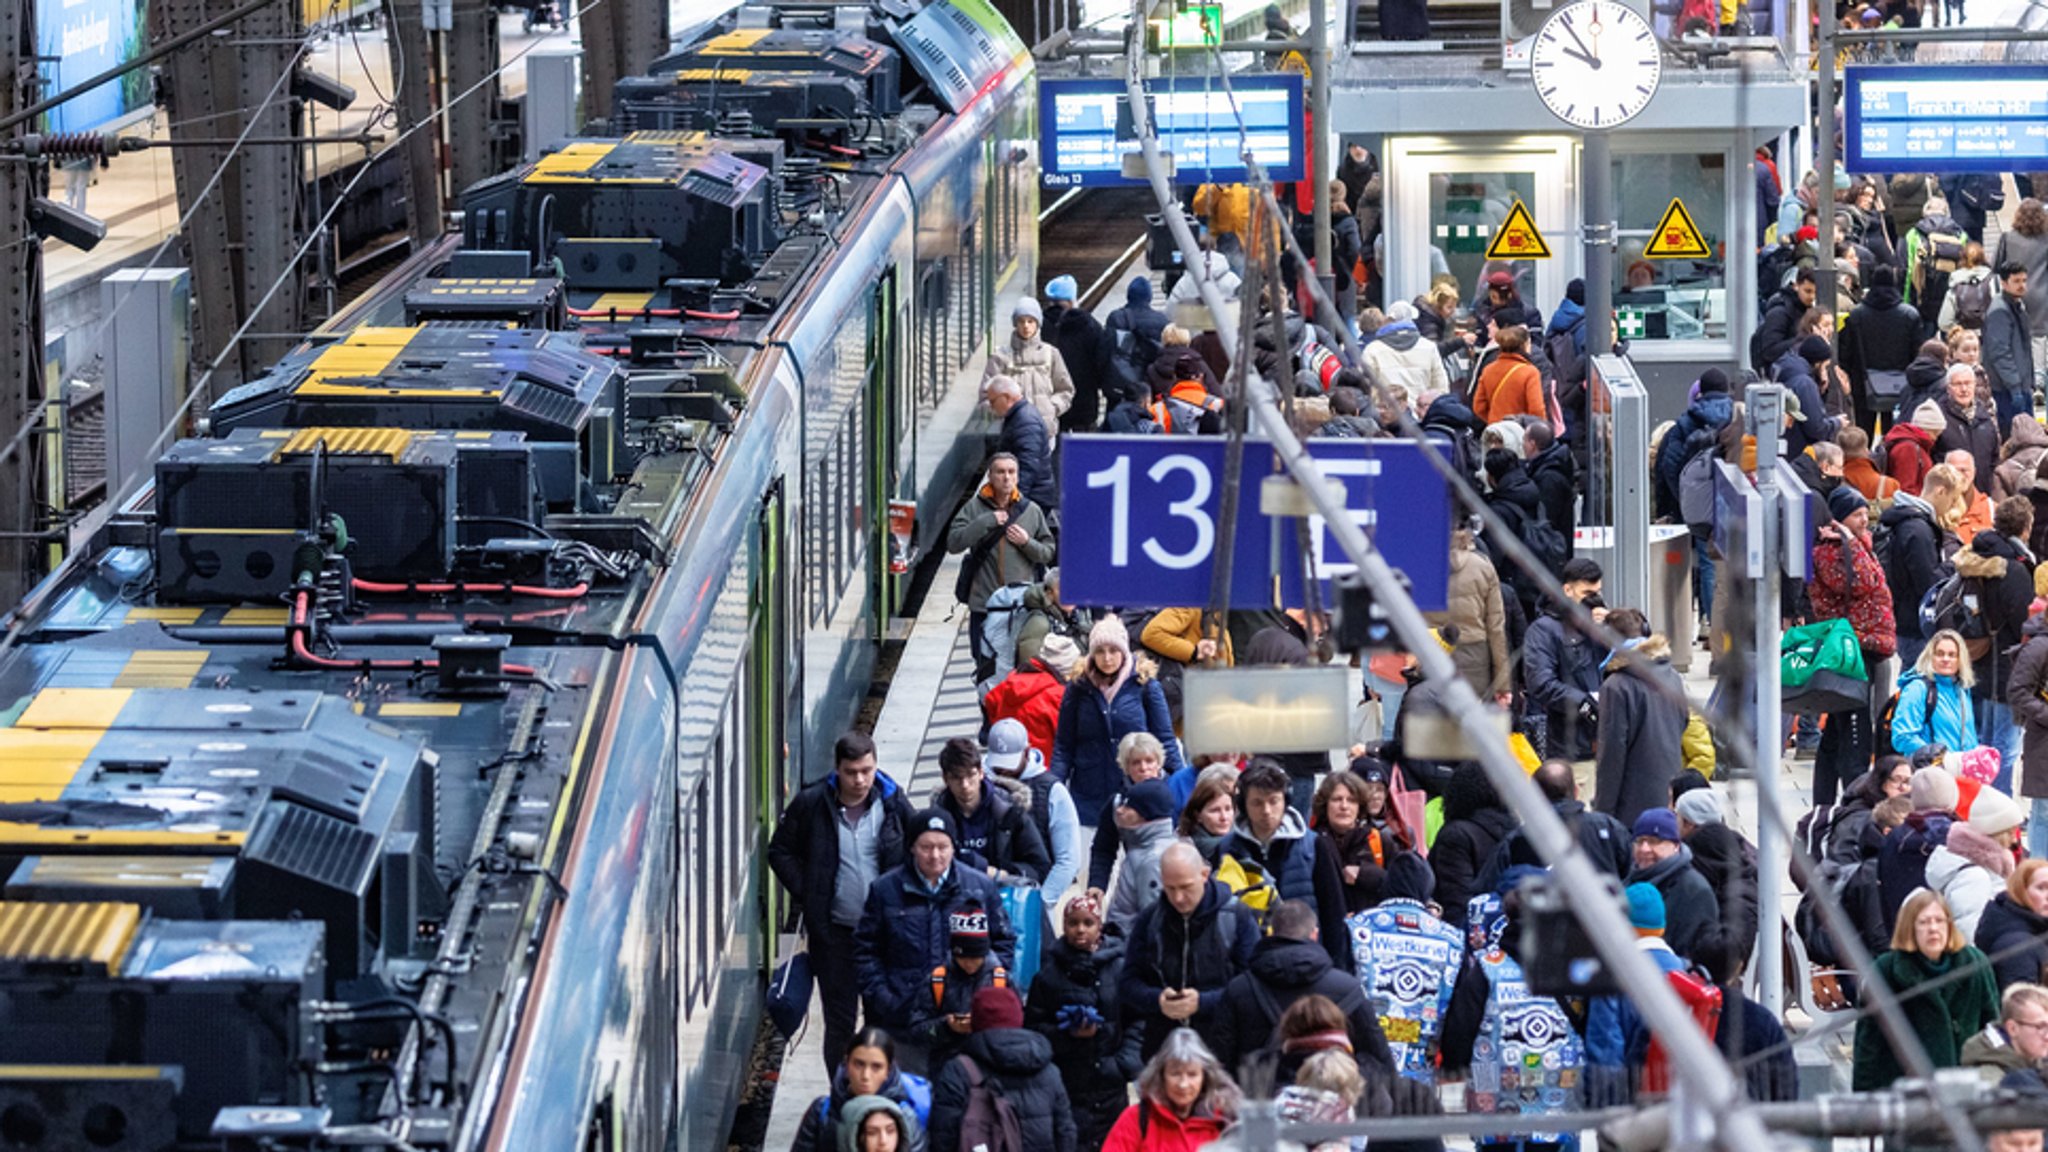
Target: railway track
1095,235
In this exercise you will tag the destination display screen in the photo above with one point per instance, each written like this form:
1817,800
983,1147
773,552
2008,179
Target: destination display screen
1085,129
1946,118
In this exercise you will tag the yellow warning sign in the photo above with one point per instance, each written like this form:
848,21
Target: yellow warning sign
1677,237
1517,238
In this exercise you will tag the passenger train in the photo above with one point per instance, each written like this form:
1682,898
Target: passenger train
395,770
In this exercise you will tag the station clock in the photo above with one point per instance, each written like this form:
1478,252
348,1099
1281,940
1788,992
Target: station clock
1596,64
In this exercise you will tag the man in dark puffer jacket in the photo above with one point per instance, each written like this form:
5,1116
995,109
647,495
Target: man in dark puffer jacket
1728,861
1881,334
1183,950
1015,1062
993,815
1285,967
906,926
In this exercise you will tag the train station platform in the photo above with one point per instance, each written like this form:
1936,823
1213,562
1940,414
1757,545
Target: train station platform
135,194
931,699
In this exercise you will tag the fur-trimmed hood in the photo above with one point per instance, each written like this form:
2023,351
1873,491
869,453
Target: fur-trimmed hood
1016,792
1976,848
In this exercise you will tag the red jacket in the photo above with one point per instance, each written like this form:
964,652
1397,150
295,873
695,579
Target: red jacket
1855,591
1908,456
1163,1131
1030,695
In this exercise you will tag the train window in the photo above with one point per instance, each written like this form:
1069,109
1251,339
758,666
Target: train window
721,786
1683,299
700,971
931,325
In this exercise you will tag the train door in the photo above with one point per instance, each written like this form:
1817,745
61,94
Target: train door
884,427
771,757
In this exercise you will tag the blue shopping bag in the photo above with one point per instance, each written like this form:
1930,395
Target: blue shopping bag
1025,909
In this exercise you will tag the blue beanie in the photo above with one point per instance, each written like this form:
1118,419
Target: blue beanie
1657,824
1645,907
1140,291
1062,288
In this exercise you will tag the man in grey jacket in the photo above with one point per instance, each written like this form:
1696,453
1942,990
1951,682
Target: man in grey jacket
2008,354
1007,541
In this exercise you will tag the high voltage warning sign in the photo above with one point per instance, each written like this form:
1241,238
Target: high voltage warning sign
1517,238
1677,237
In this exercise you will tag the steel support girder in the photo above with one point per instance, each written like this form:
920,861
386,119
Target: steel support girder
413,70
243,236
620,38
473,53
21,309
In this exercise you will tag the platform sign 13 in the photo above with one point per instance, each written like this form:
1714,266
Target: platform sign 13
1141,521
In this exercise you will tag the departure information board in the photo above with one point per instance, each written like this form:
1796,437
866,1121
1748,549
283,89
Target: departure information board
1085,129
1946,118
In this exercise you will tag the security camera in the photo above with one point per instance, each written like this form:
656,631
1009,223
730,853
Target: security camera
54,221
321,90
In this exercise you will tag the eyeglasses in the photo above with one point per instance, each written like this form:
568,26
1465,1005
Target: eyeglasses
2029,1025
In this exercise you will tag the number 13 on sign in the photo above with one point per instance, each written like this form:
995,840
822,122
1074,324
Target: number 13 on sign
1191,507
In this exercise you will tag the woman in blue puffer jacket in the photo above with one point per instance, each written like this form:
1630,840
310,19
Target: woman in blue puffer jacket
1111,695
1950,721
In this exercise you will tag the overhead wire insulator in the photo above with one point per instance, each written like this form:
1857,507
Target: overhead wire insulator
77,146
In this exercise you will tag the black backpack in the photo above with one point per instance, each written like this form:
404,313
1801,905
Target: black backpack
1549,544
1457,443
1973,301
1882,737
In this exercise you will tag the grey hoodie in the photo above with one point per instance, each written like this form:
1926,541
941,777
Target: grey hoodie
858,1109
1137,881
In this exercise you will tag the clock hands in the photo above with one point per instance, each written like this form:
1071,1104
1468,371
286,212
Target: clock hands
1581,53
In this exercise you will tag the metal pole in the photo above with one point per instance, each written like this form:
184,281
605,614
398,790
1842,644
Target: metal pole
1765,402
1596,176
1824,169
1319,170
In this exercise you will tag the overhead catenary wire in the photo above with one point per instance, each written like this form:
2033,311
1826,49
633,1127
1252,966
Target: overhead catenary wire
1690,1050
33,422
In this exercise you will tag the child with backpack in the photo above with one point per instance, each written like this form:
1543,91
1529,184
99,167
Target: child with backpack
1001,1093
941,1024
1970,293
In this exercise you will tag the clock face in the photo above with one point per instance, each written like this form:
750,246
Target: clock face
1595,63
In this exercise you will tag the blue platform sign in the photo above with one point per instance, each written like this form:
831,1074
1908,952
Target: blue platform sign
1140,520
1085,129
1945,118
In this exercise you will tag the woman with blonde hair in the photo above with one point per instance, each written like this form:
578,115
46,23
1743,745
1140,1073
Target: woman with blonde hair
1934,698
1943,490
1434,310
1943,985
1185,1100
2013,931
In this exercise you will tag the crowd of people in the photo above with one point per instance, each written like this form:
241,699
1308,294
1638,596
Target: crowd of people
1090,936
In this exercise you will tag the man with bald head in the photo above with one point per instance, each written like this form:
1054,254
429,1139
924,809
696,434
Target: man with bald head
1604,840
1977,517
1023,434
1183,950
